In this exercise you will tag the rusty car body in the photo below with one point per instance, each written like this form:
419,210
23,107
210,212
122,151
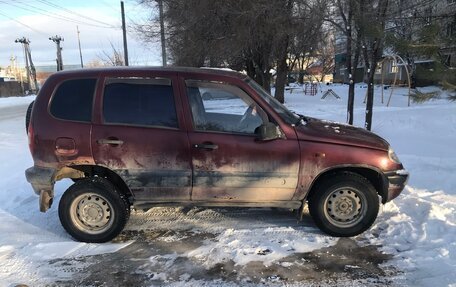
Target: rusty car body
100,126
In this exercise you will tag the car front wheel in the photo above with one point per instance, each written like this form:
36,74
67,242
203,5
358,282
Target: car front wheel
345,204
92,210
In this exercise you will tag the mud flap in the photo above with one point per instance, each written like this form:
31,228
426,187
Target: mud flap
46,198
304,209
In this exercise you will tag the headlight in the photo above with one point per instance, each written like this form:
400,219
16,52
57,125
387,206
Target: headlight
392,155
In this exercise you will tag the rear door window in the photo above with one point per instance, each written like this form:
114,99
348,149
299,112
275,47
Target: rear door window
73,100
139,101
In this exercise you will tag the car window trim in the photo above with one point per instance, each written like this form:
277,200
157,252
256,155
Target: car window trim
140,126
139,80
227,133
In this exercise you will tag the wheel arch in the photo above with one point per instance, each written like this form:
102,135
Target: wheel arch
82,171
372,174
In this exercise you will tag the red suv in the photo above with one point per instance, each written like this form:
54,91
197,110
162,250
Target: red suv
148,137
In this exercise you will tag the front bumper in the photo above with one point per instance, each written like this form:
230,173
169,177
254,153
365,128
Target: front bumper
396,182
42,181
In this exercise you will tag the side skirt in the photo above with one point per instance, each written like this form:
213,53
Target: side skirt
145,205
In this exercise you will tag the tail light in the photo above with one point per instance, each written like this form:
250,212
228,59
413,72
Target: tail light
31,138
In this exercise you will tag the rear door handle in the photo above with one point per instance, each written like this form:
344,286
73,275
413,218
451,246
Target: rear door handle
206,146
113,142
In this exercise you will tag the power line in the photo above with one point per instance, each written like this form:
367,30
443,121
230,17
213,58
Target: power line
25,25
441,16
416,5
409,8
106,4
58,16
50,14
48,3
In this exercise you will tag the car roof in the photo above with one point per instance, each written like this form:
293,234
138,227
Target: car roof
202,70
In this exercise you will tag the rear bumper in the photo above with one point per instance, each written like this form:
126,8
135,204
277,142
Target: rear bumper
41,178
42,181
396,182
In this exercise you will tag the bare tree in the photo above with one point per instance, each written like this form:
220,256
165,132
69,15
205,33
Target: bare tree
423,30
325,55
301,39
362,22
94,63
113,57
254,36
342,16
371,23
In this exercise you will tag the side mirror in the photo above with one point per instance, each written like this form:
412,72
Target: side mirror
268,131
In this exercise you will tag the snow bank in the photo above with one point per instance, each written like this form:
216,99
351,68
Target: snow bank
418,227
420,230
16,101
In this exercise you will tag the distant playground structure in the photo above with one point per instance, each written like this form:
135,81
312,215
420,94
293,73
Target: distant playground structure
396,63
393,71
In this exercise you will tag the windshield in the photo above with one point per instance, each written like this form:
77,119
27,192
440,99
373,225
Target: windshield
288,116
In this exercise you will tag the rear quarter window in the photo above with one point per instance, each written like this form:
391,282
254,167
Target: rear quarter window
73,100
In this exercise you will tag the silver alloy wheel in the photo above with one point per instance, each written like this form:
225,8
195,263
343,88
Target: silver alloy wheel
91,213
345,207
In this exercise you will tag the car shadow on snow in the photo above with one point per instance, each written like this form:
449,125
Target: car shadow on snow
161,256
216,220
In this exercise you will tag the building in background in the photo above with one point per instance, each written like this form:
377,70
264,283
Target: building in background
14,81
43,72
410,20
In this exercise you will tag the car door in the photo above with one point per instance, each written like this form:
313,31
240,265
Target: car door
229,163
139,136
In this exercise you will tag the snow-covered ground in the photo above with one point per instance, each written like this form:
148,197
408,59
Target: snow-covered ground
413,239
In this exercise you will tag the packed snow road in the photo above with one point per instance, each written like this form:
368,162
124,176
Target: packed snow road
411,243
13,112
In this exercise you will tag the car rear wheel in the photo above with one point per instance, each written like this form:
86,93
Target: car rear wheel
92,210
344,205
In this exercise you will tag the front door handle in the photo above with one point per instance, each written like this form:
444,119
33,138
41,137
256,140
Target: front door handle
206,146
113,142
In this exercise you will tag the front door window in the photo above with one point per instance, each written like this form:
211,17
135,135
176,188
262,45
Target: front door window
222,107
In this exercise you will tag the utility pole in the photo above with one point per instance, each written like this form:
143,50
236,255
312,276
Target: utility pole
349,63
57,39
124,32
15,72
29,67
24,42
162,32
80,51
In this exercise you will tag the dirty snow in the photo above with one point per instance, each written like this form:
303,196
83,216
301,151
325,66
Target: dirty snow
245,246
418,229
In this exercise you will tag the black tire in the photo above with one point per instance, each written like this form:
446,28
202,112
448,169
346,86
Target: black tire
344,204
28,115
92,210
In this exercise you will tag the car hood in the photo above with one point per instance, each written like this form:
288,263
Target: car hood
338,133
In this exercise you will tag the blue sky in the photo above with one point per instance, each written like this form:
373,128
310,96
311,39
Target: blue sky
99,24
